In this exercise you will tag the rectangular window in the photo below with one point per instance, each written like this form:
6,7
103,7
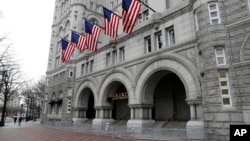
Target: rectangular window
58,48
69,105
70,91
121,54
249,5
71,73
140,19
158,37
97,8
87,68
108,59
170,36
114,57
167,4
220,56
148,44
111,5
145,15
214,13
196,21
225,88
91,5
82,69
91,65
51,50
57,61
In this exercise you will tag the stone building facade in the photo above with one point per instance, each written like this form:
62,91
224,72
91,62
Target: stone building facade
189,62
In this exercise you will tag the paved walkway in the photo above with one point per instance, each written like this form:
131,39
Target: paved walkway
34,131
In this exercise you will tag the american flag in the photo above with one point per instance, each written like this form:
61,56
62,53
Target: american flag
78,40
67,50
111,23
130,12
91,36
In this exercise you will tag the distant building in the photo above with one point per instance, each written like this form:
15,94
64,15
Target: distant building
188,63
1,99
15,102
1,102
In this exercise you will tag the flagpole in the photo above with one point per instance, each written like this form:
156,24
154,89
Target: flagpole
112,12
147,6
77,32
93,23
82,35
64,39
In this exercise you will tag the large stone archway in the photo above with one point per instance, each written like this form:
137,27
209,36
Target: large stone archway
110,84
190,81
85,100
171,63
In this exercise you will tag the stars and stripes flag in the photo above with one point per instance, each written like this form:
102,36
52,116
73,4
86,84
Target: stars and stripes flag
111,23
92,33
130,12
67,50
78,40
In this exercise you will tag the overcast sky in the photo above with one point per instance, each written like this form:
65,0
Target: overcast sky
28,23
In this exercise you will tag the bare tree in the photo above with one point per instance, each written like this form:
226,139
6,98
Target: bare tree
11,77
33,93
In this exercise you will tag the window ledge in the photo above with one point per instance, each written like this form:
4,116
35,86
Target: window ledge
228,108
223,67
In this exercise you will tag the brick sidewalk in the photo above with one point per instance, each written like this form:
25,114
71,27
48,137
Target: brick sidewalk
36,132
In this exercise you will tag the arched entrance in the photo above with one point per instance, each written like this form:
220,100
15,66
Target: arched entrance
169,97
85,104
164,74
115,92
118,98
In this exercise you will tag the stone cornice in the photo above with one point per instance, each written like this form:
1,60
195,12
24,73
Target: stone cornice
103,107
197,101
242,64
141,105
239,24
61,68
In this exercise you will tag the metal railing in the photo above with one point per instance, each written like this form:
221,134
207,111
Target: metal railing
132,133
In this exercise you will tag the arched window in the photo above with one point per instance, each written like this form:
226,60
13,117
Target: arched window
95,21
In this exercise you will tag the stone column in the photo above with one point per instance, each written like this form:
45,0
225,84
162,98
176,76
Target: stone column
84,113
76,113
195,126
141,115
96,113
132,113
103,116
150,113
79,115
192,112
110,113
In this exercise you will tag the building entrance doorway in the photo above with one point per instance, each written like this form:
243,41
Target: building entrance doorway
169,99
86,104
119,100
91,110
